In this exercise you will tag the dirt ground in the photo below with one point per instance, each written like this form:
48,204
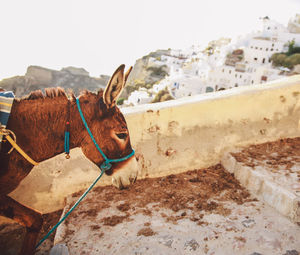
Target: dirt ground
189,195
203,211
284,152
192,193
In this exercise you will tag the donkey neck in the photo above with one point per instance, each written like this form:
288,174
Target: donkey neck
40,125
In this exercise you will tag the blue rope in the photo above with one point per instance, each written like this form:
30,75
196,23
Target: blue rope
105,165
89,131
67,142
68,213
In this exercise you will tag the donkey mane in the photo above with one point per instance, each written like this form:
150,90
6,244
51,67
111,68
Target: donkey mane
55,93
49,93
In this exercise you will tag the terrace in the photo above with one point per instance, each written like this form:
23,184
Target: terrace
219,174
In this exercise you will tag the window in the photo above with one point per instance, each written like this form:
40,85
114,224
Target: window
272,44
256,48
235,75
252,82
240,76
263,61
267,49
260,48
223,70
272,49
229,71
255,59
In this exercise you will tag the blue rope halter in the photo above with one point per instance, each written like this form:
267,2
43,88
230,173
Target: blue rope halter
106,165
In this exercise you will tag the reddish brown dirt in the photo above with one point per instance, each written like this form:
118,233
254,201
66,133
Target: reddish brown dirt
284,152
187,195
113,220
146,232
123,207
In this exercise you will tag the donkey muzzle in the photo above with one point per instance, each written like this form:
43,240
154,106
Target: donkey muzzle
126,174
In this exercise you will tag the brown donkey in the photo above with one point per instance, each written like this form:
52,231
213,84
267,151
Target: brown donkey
39,123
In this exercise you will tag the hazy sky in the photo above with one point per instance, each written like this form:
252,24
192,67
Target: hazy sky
100,35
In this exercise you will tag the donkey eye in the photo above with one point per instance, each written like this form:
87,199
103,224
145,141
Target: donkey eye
122,135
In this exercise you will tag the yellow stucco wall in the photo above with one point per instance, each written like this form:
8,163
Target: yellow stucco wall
177,136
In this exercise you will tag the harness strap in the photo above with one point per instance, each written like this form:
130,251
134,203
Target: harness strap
23,153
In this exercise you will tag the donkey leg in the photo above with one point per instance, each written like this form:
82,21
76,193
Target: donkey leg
25,216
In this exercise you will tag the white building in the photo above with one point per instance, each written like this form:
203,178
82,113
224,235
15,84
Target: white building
254,65
261,49
294,24
189,79
138,97
243,61
183,86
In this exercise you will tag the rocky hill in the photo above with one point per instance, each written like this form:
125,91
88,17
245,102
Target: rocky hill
38,77
146,72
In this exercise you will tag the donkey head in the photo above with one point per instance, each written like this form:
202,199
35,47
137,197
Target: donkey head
109,128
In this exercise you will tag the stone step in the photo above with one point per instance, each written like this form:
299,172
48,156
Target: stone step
273,187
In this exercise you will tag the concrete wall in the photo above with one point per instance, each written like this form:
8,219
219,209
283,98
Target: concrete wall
176,136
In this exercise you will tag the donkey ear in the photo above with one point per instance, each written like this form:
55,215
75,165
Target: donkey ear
126,75
114,87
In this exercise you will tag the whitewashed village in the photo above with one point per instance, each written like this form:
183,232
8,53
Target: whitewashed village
223,64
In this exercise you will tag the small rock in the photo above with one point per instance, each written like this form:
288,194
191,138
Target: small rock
248,223
192,245
291,252
255,253
168,243
59,249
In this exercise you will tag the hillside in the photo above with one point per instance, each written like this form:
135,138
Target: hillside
37,77
147,71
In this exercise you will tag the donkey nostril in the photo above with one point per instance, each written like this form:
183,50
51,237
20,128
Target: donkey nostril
122,136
